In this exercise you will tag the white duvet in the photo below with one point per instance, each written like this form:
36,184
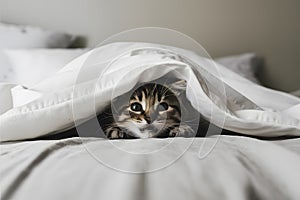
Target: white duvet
83,87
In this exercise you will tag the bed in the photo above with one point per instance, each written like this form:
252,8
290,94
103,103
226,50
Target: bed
237,168
260,162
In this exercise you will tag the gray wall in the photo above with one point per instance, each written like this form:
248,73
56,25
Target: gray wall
269,27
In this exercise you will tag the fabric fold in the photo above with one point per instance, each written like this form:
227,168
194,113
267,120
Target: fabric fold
81,90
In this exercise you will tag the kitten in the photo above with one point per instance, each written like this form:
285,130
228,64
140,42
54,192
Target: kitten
152,110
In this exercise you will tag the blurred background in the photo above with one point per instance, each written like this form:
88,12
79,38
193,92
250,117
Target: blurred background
270,28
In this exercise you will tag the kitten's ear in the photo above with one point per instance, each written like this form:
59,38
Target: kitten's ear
178,87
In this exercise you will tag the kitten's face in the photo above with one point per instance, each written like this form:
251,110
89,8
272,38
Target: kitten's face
152,110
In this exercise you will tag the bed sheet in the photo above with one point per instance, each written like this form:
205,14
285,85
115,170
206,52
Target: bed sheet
236,168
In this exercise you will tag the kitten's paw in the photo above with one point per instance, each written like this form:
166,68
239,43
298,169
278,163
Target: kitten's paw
115,133
181,131
175,132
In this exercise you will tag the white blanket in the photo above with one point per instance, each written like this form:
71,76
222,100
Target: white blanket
77,92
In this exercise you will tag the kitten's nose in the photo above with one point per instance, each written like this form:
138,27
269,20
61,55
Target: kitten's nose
151,118
148,120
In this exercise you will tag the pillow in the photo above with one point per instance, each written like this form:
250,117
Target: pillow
6,70
33,65
246,65
17,36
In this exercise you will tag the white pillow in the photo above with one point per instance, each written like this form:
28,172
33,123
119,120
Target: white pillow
17,36
6,70
33,65
245,65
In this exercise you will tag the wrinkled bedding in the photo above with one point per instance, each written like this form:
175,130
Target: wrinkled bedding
85,86
237,168
216,167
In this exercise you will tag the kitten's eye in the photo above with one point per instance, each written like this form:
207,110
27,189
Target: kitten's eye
162,107
137,107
